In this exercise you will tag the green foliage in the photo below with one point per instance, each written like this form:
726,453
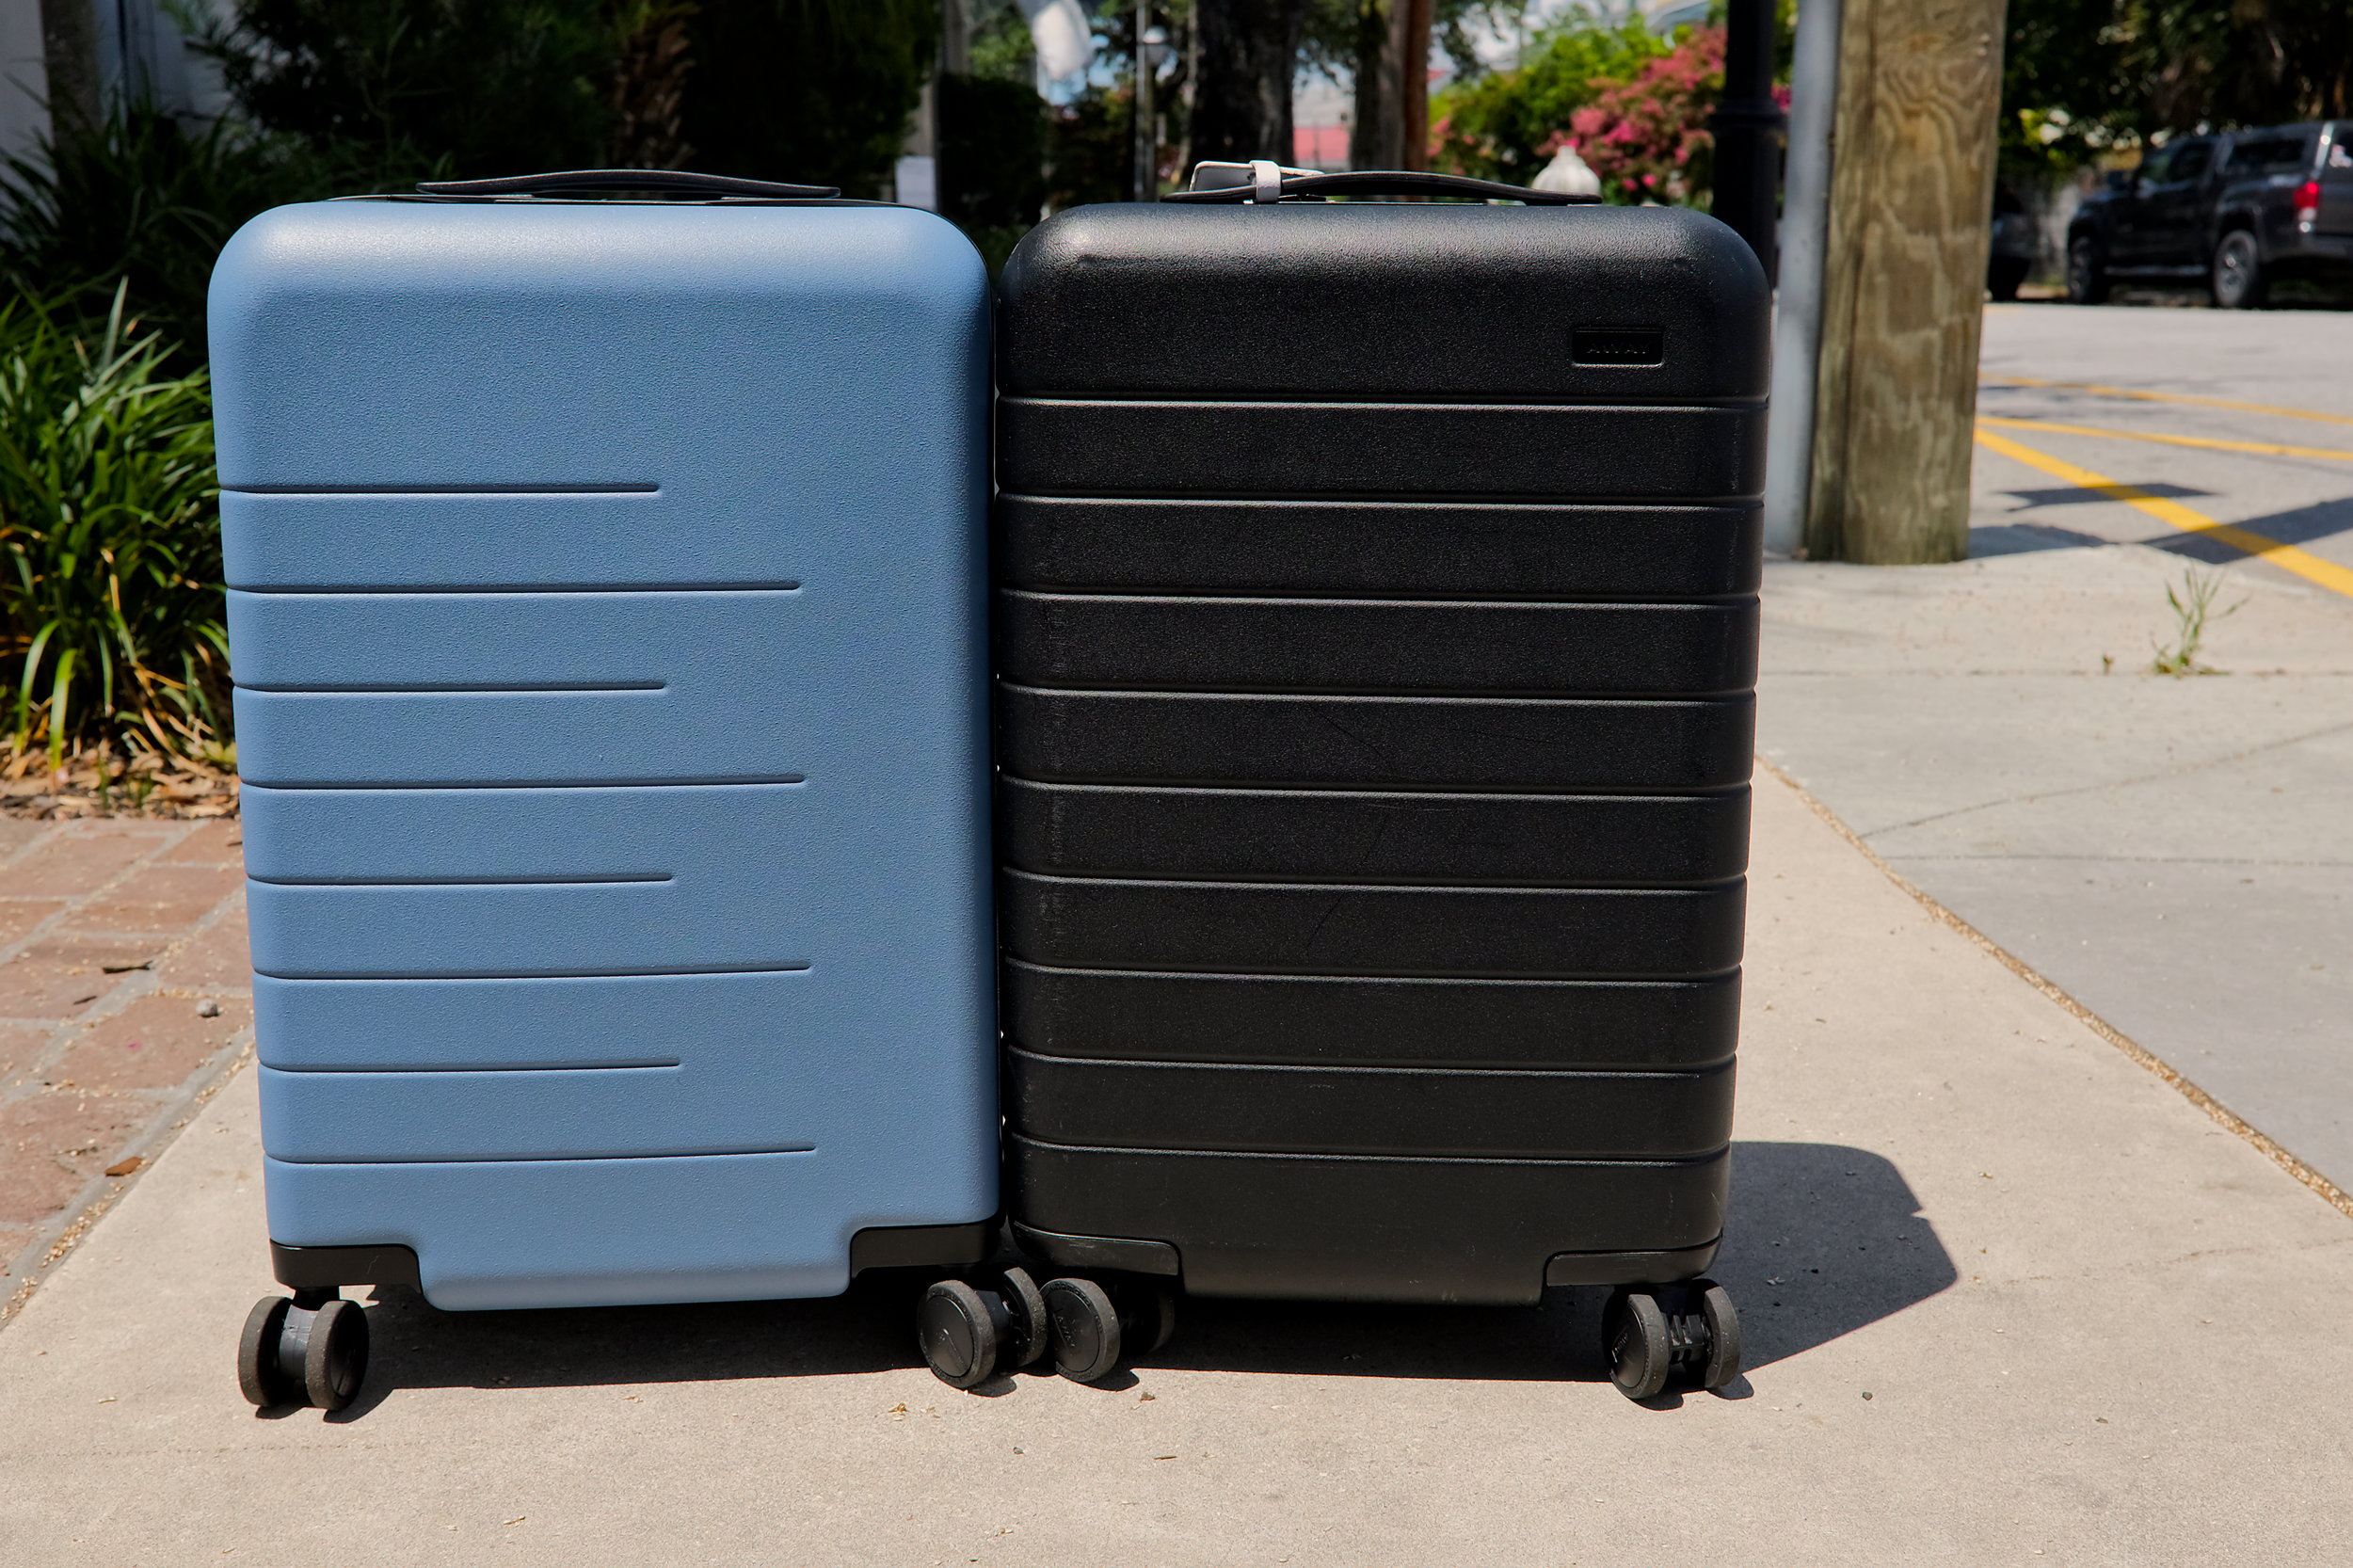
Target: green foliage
1001,49
145,203
1337,32
992,148
993,130
1506,125
487,87
817,90
2082,76
111,622
1089,147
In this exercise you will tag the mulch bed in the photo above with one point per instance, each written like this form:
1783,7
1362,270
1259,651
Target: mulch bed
90,785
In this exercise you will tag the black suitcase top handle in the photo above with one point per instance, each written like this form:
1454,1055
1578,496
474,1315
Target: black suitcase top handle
683,181
1264,181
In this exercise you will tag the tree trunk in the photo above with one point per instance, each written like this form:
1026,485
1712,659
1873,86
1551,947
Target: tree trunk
69,41
1410,36
1377,140
1249,52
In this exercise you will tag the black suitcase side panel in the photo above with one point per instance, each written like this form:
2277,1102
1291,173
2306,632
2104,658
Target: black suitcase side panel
1395,741
1263,928
1388,836
1484,1111
1406,549
1371,1021
1355,644
1110,447
1355,1227
1336,299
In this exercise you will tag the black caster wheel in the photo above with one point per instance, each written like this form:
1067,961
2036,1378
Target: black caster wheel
1150,1316
312,1350
1025,1303
1689,1332
1088,1336
1722,1323
1635,1330
334,1353
962,1332
259,1376
1094,1328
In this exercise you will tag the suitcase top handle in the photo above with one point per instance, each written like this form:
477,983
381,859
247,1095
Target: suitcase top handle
1264,181
680,181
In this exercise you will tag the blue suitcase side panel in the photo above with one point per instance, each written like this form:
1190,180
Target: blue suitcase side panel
620,539
856,1074
423,1025
494,688
724,788
530,1233
769,368
426,882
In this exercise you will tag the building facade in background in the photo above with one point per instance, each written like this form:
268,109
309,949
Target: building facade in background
140,48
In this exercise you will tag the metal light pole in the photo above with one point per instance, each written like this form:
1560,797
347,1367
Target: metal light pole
1748,129
1798,319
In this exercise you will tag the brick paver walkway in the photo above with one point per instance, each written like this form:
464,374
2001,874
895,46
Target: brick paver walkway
124,996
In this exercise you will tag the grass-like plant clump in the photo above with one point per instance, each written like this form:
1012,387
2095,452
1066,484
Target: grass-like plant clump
2193,613
111,612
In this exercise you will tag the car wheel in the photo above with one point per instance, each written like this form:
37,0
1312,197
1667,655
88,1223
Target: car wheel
2238,277
2086,271
2004,274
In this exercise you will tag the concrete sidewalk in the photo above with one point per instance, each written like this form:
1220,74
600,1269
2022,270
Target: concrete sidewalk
2174,853
2008,1298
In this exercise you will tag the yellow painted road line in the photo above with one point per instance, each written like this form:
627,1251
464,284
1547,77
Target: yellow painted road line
2165,397
2327,574
2271,449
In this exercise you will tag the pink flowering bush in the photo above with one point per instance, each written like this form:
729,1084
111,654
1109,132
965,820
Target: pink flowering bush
1647,137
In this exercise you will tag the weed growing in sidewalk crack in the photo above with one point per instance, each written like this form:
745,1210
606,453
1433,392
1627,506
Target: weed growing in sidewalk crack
2193,611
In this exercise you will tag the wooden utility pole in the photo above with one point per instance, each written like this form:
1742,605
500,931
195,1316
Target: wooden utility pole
1903,287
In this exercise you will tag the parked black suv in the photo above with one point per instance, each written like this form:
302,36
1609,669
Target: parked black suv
2239,210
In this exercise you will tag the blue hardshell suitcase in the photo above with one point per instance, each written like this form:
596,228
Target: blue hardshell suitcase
606,604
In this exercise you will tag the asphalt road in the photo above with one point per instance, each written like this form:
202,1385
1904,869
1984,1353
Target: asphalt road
2172,851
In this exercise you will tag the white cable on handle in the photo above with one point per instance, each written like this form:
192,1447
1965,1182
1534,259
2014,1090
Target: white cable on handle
1266,181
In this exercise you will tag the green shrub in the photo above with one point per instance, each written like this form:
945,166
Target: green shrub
817,90
146,202
1506,125
493,87
111,630
992,153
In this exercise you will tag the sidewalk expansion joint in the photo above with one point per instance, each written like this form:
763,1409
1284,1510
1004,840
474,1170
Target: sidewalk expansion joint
2334,1195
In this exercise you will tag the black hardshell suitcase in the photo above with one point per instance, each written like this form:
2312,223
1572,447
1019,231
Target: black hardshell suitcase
1376,640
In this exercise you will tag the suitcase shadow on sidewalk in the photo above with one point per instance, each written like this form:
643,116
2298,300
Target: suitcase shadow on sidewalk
1823,1241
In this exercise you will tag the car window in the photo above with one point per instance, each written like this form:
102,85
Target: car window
2189,162
2251,155
2341,154
2156,167
2272,155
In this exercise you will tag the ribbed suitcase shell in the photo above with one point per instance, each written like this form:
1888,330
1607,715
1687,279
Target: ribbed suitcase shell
607,622
1374,710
